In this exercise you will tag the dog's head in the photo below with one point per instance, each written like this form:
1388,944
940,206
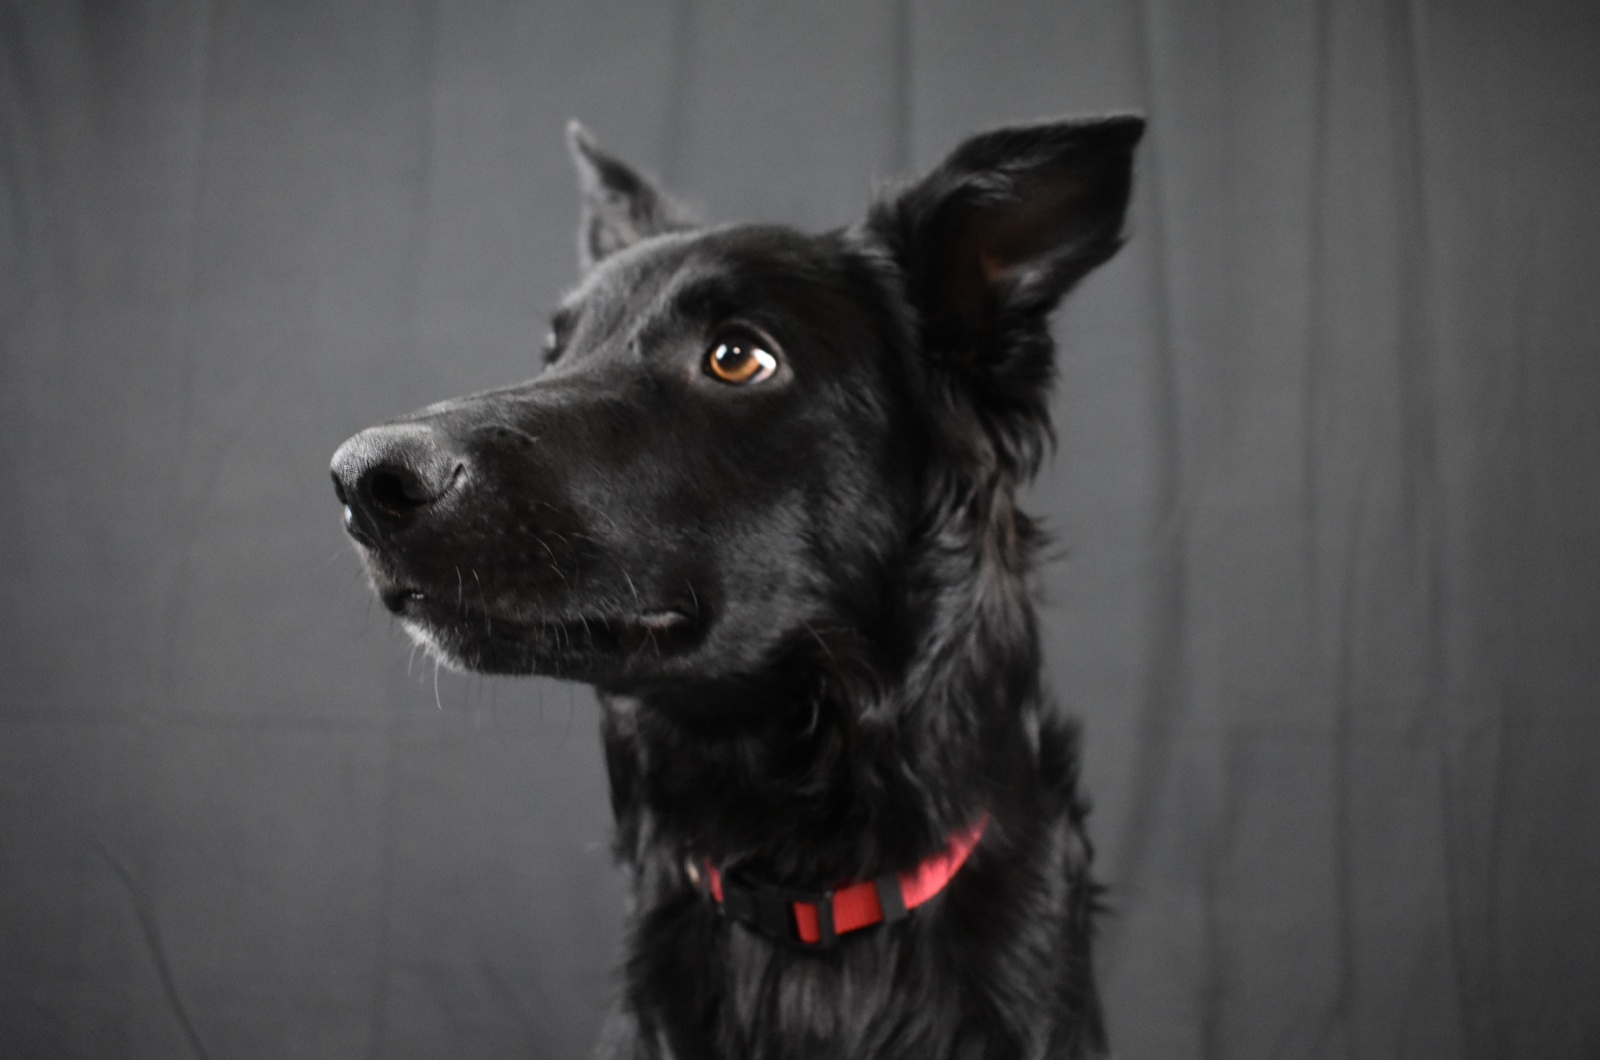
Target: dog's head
742,438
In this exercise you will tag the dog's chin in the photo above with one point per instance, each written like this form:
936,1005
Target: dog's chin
598,647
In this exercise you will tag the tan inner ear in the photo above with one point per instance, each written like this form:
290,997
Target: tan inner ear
1013,235
622,234
994,267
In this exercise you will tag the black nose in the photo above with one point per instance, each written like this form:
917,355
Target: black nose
390,477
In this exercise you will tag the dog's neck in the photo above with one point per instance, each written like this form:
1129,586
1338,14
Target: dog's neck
791,775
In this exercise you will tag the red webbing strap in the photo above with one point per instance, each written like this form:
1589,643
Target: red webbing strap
857,905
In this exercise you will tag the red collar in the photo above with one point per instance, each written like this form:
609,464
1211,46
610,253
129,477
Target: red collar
815,919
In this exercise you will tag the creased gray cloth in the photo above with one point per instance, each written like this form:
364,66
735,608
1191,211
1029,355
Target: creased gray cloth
1326,586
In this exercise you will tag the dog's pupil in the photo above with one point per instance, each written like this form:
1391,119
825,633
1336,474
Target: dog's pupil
740,361
733,362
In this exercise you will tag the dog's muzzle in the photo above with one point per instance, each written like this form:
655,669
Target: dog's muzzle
391,477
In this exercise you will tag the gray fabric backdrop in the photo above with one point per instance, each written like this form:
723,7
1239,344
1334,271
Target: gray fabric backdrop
1327,501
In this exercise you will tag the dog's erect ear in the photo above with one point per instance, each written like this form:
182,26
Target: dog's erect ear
619,205
992,238
1010,221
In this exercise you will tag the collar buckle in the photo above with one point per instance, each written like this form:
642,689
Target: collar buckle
777,912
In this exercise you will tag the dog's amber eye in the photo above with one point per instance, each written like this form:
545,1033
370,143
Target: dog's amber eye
740,358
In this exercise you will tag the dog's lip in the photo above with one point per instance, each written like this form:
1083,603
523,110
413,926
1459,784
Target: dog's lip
665,619
400,599
396,597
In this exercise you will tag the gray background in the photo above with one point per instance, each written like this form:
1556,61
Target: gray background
1327,501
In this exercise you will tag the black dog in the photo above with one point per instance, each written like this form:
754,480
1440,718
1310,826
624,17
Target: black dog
763,497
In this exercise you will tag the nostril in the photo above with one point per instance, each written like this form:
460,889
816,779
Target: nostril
400,492
397,490
388,478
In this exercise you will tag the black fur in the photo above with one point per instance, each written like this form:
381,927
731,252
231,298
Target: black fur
805,601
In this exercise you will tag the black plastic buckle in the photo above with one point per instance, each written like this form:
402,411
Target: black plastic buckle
769,911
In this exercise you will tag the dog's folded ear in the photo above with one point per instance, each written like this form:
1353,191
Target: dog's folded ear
620,206
991,239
